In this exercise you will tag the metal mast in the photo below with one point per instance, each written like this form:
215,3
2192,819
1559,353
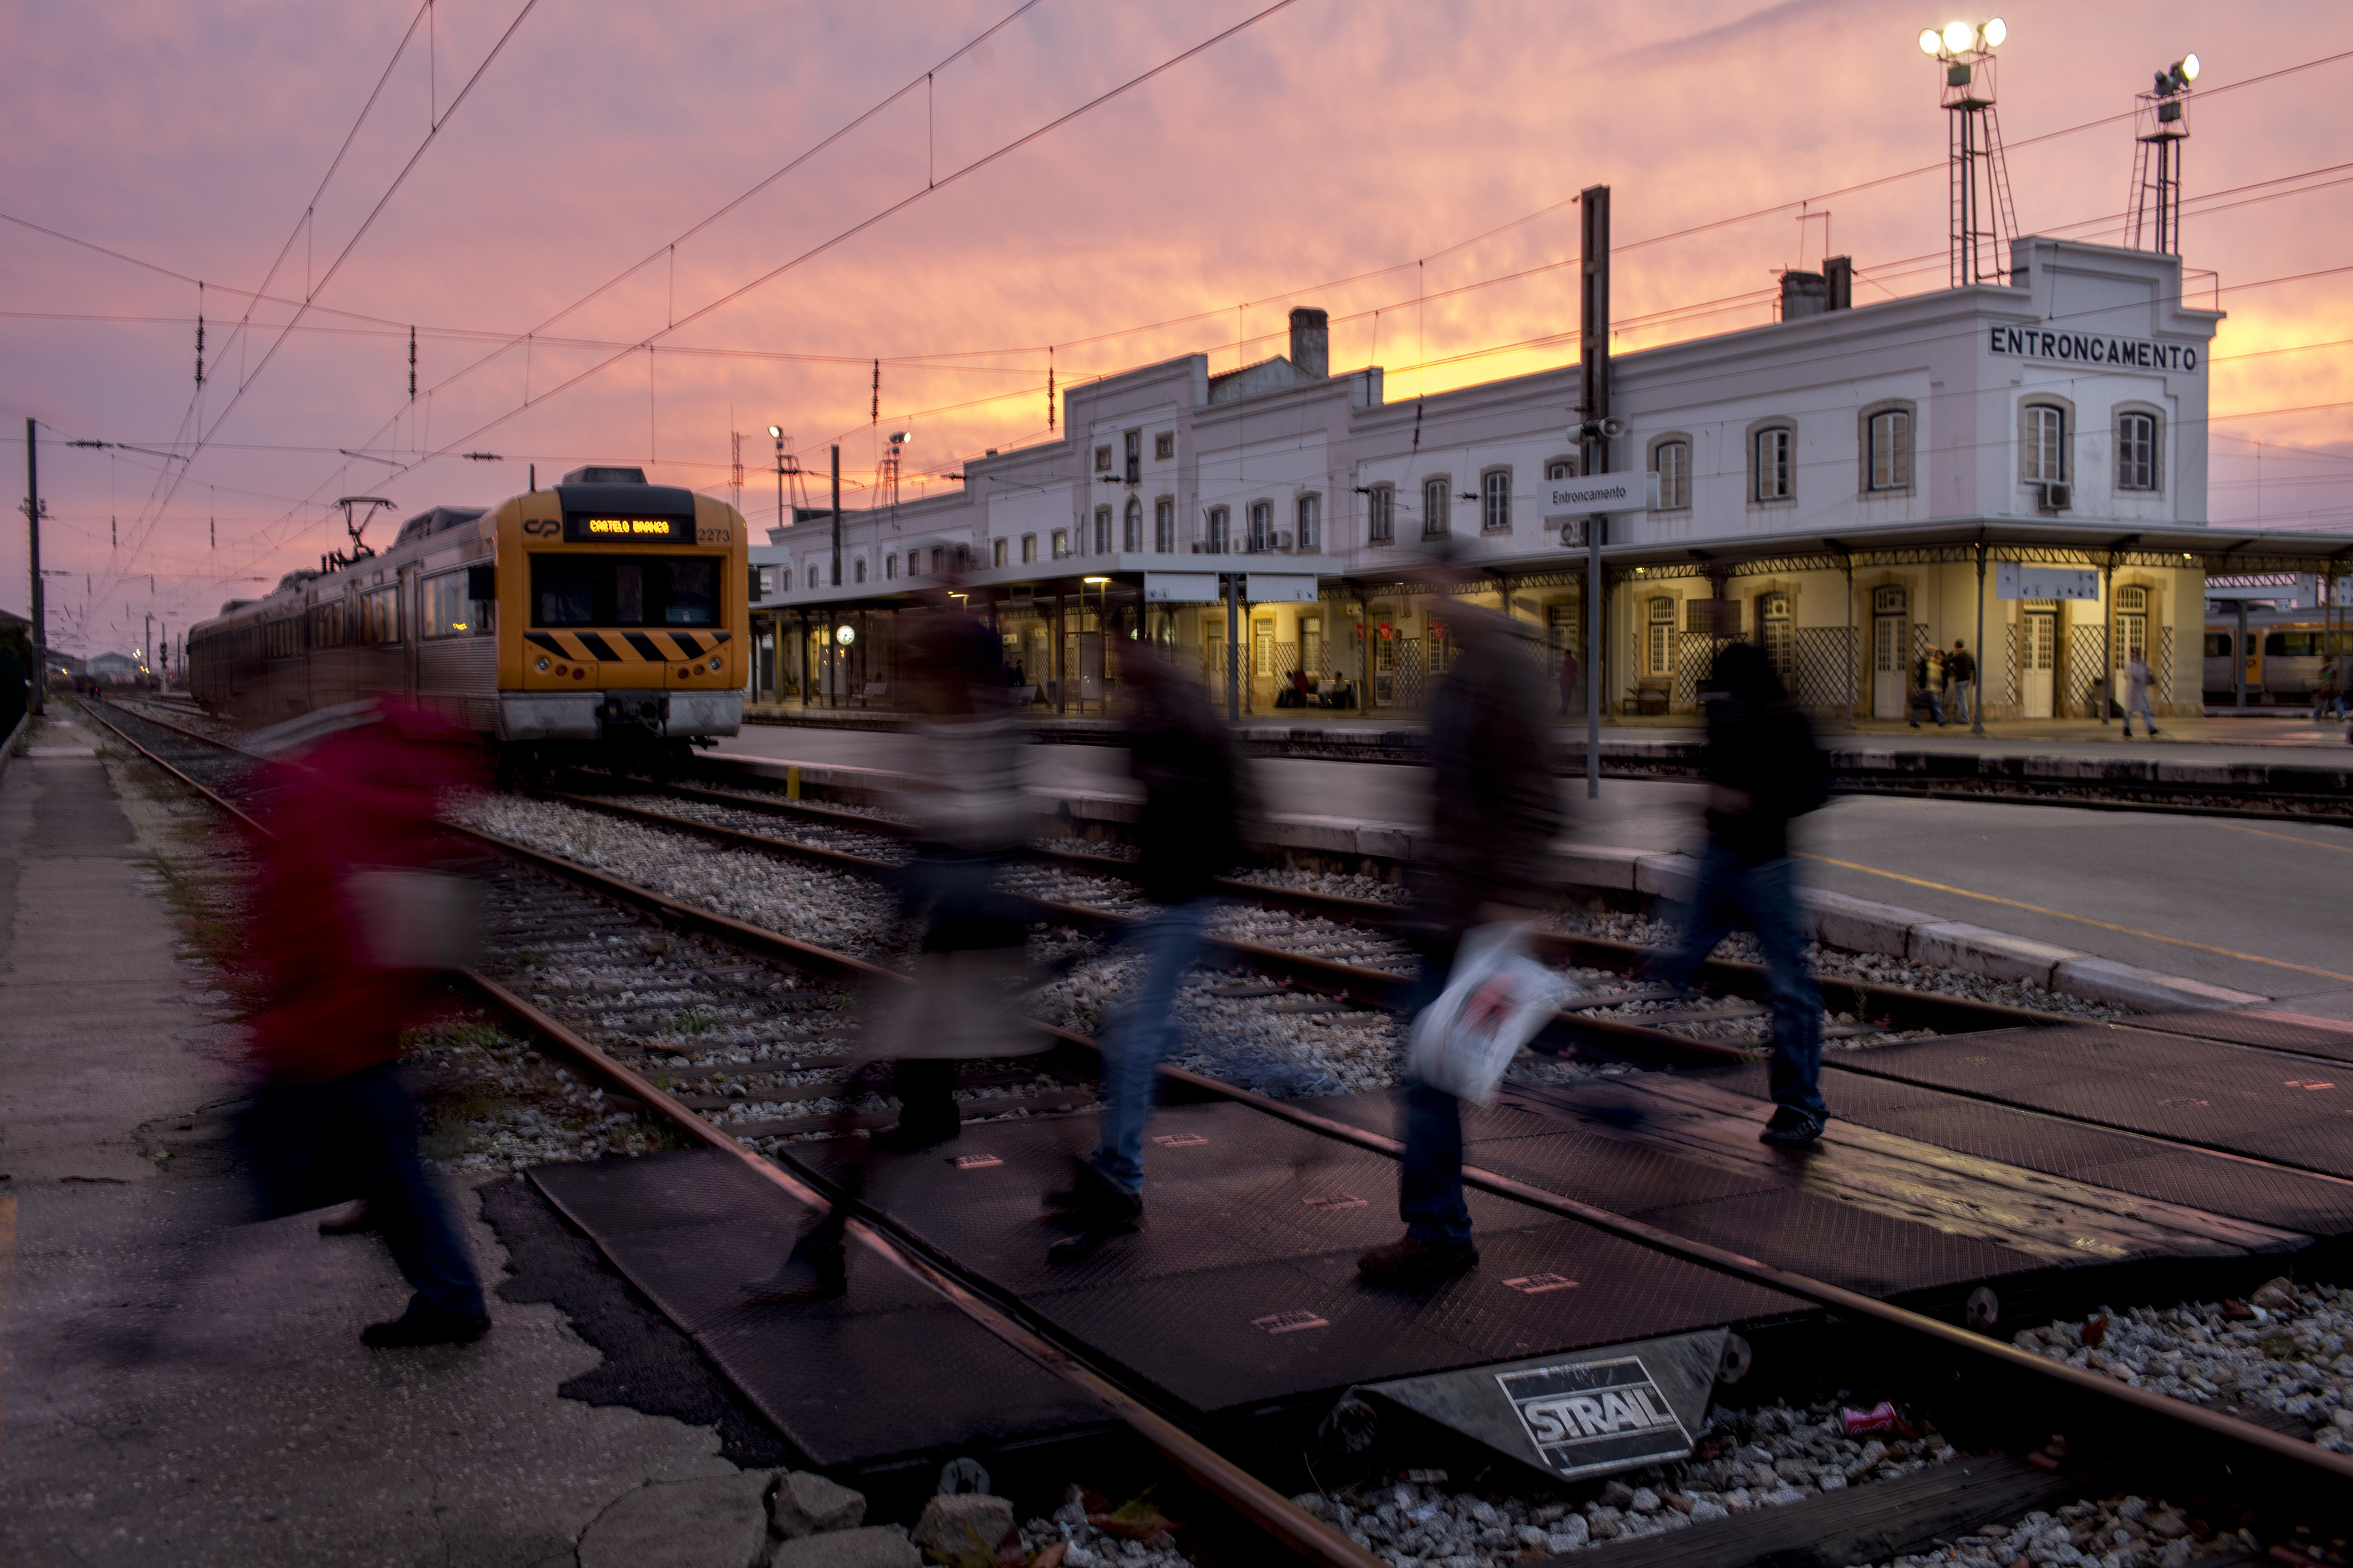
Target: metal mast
1983,222
2161,125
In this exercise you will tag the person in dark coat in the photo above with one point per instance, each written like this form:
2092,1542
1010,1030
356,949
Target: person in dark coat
1762,768
1189,836
1497,811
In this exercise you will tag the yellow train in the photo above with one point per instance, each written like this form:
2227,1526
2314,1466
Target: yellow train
603,619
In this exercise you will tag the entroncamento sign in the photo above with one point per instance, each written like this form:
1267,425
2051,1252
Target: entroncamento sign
2091,348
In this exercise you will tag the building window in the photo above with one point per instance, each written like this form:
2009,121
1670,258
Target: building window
1261,648
2137,452
936,551
995,554
1102,531
1659,644
1136,457
1164,445
1029,548
1164,524
1437,508
1775,476
858,570
1261,526
2132,624
1130,533
1381,514
889,566
1102,459
1219,519
1671,462
1889,464
1061,543
1495,501
1311,646
1561,469
1778,629
2046,444
1311,522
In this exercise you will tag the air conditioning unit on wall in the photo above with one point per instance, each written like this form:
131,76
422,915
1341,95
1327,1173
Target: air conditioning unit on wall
2057,495
1282,540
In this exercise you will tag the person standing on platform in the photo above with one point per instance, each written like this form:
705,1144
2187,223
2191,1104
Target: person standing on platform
1568,682
2136,695
1928,687
1961,668
1496,812
1762,768
347,896
1189,836
2329,692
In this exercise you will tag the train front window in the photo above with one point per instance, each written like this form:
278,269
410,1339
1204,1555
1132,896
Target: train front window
632,591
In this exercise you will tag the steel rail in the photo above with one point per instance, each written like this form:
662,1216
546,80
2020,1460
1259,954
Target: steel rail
228,806
1996,1354
183,729
1251,1498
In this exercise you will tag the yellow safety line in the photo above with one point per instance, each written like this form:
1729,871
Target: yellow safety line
2292,838
2082,919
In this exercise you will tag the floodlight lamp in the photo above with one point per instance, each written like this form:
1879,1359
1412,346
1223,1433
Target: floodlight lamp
1959,35
2187,70
901,437
1931,41
777,431
1995,32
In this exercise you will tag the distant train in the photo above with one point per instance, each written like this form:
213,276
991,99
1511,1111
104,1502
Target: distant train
601,620
2284,653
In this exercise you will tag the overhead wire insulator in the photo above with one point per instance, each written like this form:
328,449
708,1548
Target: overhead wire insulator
412,365
200,334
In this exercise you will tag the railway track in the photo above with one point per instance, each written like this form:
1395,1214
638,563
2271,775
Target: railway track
633,964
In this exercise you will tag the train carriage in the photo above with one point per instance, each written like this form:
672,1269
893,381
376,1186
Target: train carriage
601,619
2285,651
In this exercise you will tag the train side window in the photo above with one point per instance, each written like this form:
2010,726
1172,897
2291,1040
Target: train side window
448,612
2218,645
2275,646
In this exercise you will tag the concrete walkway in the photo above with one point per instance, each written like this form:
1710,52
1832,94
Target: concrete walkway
177,1392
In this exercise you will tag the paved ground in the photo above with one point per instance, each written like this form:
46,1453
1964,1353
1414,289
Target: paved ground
179,1392
2258,907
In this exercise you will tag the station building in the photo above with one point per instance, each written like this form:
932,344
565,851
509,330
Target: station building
1845,486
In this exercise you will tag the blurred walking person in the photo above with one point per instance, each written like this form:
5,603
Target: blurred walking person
1960,669
354,908
964,796
1189,836
1762,768
2137,700
1568,682
1497,813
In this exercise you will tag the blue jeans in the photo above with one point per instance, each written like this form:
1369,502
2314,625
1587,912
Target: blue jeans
1762,895
1430,1178
1960,703
1139,1032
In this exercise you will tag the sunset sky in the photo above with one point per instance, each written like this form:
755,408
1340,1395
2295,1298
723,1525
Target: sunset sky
1406,166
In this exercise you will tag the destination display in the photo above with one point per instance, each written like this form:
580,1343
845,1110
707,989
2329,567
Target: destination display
586,528
2091,348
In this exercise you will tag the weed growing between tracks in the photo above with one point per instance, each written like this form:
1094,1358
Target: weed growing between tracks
492,1103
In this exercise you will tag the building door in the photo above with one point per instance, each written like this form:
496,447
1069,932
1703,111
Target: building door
1777,630
2132,638
1891,673
2038,661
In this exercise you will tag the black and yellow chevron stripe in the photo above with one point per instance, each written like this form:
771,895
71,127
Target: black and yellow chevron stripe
628,647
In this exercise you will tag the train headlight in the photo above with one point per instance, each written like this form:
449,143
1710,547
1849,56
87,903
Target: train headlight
714,663
543,666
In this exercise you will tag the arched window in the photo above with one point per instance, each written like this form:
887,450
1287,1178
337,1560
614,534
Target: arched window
889,566
1102,531
2132,624
996,551
1495,501
1029,548
936,559
1773,467
1561,469
1671,461
1658,642
1777,631
812,576
2044,437
1261,525
1888,463
1164,524
1132,527
1437,507
2137,451
1310,535
1062,543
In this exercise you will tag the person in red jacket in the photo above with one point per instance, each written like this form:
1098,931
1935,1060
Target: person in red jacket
348,900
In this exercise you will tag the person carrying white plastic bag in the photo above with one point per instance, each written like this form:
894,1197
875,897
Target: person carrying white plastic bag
1496,998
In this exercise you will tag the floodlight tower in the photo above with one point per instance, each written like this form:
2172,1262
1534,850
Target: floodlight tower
2161,125
1983,223
889,488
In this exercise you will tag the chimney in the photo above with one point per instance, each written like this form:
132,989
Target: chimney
1803,294
1311,341
1838,272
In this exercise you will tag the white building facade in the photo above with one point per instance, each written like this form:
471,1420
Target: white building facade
1843,487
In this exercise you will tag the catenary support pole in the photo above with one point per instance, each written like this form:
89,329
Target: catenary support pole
1593,347
837,516
39,603
1233,647
2107,638
1977,697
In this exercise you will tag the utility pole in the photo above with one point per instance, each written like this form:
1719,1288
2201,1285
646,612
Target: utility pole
40,606
1593,342
1233,647
837,517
